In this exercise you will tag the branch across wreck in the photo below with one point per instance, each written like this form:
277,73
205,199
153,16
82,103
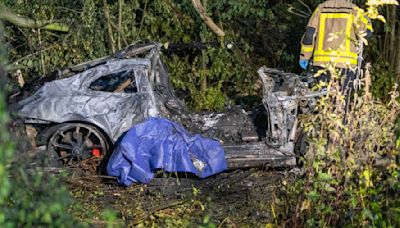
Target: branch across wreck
24,22
209,22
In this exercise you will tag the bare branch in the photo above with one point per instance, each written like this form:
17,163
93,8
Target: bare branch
306,6
209,22
24,22
120,4
109,29
141,21
123,36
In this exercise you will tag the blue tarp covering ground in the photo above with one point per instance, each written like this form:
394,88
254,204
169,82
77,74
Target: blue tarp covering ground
161,144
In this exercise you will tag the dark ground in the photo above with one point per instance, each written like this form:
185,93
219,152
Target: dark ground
236,198
239,198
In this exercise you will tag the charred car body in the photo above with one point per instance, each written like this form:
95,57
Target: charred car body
82,114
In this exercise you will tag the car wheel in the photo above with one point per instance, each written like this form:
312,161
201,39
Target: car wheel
78,145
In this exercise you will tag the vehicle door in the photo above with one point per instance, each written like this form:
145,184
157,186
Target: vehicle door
119,98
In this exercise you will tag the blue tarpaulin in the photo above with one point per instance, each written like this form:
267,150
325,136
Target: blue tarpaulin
161,144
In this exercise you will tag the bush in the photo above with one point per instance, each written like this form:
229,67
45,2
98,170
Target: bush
351,170
27,198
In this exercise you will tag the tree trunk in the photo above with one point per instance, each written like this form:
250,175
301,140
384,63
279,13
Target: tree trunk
386,46
141,21
41,53
109,28
203,79
120,4
392,47
397,63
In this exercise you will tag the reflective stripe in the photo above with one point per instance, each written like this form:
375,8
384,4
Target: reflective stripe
325,16
321,32
348,31
307,48
336,56
344,54
333,59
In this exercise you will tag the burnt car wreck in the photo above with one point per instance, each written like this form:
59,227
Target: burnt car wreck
81,115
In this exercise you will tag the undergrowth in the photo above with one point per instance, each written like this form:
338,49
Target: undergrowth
28,198
351,168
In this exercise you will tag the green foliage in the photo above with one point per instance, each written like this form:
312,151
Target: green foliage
271,32
37,199
225,72
111,219
6,146
266,30
352,170
383,80
352,163
27,198
207,223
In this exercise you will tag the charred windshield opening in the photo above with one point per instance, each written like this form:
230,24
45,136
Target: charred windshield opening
119,82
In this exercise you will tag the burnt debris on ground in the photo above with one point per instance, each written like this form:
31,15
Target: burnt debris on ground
234,198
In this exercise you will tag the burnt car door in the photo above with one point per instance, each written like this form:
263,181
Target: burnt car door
120,99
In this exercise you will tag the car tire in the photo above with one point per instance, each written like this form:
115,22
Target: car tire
78,146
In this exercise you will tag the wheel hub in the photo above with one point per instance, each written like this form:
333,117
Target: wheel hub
76,151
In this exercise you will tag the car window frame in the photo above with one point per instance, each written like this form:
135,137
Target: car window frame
127,70
86,84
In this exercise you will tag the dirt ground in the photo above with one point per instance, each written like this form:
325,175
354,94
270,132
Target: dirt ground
235,198
239,198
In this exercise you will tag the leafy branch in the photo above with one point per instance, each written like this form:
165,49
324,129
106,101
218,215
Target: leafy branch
24,22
